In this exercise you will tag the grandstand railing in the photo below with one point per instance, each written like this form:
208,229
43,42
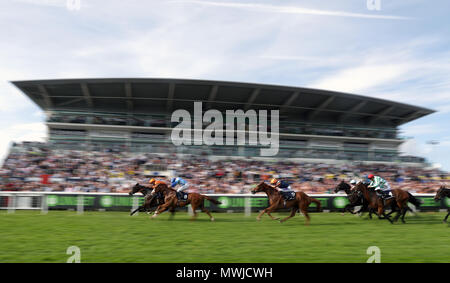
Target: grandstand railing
247,203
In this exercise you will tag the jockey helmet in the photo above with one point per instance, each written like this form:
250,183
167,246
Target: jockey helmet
273,181
152,181
370,176
353,182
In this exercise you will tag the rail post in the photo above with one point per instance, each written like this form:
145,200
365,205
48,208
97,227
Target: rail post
11,203
80,204
44,204
135,205
248,206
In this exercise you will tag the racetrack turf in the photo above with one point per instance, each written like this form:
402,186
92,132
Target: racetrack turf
28,236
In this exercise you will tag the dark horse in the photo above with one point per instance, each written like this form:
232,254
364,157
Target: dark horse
355,198
442,193
196,200
149,201
401,199
301,202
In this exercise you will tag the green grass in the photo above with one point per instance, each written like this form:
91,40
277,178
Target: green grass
28,236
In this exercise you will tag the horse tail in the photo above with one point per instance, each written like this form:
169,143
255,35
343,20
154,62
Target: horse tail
212,200
414,200
319,205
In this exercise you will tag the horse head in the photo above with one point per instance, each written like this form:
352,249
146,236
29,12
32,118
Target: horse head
441,193
262,187
135,189
342,186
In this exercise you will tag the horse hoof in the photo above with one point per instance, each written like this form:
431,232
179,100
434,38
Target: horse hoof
212,219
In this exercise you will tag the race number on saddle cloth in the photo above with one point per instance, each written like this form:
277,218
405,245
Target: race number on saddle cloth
284,188
380,185
182,186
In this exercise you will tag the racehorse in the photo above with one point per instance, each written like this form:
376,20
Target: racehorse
149,201
401,198
301,202
171,201
355,199
442,193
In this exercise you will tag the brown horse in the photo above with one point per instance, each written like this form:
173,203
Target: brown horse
401,197
171,201
301,202
442,193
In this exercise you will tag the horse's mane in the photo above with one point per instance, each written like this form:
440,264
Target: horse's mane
143,187
268,186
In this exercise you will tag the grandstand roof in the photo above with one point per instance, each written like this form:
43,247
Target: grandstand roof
155,95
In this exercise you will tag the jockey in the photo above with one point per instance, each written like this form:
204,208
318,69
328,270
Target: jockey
154,182
352,184
282,186
380,185
179,181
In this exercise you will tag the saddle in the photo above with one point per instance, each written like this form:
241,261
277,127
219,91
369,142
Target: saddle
384,195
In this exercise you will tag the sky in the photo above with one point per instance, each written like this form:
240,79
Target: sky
389,49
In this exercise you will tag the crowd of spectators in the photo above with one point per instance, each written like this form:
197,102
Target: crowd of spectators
31,167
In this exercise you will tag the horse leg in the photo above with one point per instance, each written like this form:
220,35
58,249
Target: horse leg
268,211
260,214
381,212
399,212
207,212
293,210
136,210
160,210
405,209
347,208
371,211
273,218
172,213
304,210
194,207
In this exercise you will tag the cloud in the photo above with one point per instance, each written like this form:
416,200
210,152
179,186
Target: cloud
360,78
414,148
290,10
421,129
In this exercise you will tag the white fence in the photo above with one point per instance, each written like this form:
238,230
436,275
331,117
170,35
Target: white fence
44,201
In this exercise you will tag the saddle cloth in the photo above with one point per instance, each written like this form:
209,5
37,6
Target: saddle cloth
182,196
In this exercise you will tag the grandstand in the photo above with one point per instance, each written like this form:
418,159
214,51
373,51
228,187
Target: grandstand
133,115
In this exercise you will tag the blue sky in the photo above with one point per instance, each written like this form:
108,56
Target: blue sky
400,52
